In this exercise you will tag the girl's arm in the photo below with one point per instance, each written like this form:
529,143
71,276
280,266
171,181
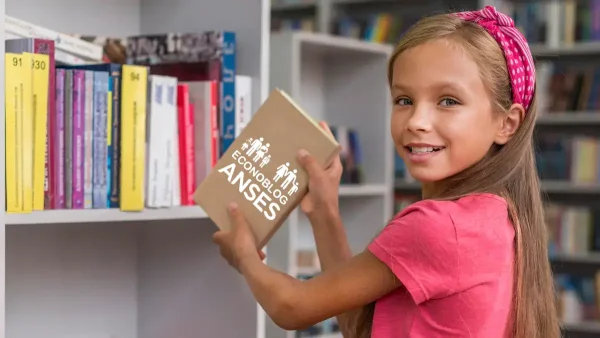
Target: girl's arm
333,249
294,304
321,206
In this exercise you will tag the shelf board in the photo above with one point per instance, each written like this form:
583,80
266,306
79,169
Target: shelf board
576,49
104,215
116,215
580,264
363,190
582,330
308,271
570,122
293,6
570,118
329,335
320,43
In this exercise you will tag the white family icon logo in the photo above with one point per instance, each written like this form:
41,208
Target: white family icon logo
266,194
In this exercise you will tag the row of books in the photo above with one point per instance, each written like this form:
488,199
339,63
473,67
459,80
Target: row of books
578,298
572,230
568,158
570,21
129,136
378,27
350,154
288,24
569,88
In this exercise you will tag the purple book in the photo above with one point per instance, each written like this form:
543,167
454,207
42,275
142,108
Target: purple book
78,138
59,170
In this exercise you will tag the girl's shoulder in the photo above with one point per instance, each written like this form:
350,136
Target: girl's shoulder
429,244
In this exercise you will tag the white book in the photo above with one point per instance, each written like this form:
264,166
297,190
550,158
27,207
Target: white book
63,42
155,98
172,143
243,102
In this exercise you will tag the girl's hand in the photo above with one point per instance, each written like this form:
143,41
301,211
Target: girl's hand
237,244
323,184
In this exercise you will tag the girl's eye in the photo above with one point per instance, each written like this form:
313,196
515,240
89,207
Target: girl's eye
402,101
448,102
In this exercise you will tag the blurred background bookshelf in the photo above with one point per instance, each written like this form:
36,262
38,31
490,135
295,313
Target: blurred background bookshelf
565,40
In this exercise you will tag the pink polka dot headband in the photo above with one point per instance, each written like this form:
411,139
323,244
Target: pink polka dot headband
516,50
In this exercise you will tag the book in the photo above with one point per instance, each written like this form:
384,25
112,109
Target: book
260,171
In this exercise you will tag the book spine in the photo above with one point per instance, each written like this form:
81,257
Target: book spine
173,143
88,140
214,123
186,144
243,102
165,139
133,122
109,128
40,111
13,66
155,99
227,101
190,160
27,118
46,47
78,146
68,138
100,140
58,142
115,139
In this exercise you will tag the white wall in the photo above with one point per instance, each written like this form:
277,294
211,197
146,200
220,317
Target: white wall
114,18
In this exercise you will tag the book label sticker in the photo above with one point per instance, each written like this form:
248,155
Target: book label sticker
267,194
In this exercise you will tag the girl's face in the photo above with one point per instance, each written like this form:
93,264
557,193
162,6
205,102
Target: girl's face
442,118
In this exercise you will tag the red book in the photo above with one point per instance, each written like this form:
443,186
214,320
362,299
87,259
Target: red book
185,120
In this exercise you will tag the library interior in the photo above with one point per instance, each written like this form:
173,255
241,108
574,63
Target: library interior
110,241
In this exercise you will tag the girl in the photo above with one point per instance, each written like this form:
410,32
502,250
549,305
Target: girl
470,259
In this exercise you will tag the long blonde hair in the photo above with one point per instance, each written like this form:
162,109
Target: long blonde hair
508,171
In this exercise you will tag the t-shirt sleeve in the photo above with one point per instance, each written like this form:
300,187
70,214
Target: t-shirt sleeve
420,247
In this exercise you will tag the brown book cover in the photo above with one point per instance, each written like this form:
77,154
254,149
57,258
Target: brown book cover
260,172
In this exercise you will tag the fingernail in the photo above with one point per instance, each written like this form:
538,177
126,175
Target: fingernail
233,206
302,153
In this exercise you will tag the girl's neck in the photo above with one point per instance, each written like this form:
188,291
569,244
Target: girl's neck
431,189
428,189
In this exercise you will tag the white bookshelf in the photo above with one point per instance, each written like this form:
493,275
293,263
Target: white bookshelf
113,274
342,81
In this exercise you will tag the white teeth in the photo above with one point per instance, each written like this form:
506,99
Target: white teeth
419,150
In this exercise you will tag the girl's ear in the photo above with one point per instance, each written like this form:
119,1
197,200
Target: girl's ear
510,123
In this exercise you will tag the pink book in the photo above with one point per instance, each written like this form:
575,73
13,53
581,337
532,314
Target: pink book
78,137
186,145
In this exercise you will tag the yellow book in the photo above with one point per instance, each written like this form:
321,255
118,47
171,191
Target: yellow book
134,82
27,124
41,76
13,76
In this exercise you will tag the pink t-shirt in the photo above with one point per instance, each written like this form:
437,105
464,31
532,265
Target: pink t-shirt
455,262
